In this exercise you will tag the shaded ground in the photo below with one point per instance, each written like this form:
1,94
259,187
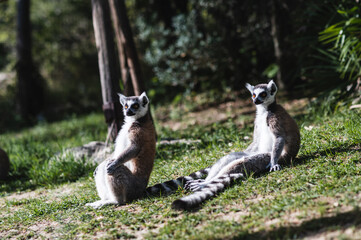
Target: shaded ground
239,111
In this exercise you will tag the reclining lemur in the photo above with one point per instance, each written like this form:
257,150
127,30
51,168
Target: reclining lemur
276,139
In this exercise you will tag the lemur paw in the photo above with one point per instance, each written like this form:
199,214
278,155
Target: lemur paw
188,184
194,185
111,167
275,167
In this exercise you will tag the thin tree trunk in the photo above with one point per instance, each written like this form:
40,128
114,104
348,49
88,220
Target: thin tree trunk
126,37
125,73
4,165
109,78
30,88
277,45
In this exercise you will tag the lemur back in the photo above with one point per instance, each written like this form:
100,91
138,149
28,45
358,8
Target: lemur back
124,177
280,122
276,138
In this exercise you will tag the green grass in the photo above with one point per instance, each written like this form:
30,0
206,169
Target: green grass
31,151
319,193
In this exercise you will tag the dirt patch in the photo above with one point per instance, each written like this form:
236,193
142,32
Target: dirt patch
233,215
259,198
40,230
49,195
46,228
209,116
234,110
23,195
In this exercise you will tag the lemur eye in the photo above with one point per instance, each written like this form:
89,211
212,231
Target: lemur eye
263,94
126,106
254,95
135,106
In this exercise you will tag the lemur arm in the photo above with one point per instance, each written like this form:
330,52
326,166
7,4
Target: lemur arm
277,149
129,153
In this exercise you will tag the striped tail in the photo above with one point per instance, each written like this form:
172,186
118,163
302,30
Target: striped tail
171,185
208,191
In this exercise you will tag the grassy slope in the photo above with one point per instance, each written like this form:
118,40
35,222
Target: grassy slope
318,195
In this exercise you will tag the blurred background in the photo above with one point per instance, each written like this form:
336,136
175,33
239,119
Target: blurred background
185,47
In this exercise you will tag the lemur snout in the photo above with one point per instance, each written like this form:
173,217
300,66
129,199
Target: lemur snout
257,101
130,113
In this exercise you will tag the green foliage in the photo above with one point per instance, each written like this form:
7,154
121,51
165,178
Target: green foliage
64,51
210,45
7,34
345,36
340,56
63,46
188,47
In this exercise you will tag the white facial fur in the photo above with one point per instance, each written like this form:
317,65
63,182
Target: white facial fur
249,87
134,105
257,91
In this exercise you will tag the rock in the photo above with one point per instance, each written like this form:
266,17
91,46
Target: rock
4,165
179,141
95,152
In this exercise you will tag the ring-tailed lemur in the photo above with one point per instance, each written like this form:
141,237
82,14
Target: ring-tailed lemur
276,138
124,176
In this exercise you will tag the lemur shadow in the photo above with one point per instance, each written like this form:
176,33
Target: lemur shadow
309,156
340,221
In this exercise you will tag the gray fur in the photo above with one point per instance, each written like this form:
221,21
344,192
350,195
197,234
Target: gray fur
171,185
128,154
124,176
276,138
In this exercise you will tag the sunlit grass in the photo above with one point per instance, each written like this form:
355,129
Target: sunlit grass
319,190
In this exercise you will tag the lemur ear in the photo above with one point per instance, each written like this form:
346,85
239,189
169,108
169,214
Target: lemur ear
143,97
272,87
122,99
249,87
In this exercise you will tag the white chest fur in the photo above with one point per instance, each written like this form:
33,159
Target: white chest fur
122,141
265,136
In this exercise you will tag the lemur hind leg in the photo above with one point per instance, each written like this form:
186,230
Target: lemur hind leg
224,161
233,171
245,165
194,185
216,170
119,188
103,187
257,164
125,186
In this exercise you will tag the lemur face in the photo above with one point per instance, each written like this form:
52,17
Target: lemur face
259,95
263,93
134,107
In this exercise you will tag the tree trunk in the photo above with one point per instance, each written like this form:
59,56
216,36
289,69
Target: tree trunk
109,78
122,25
277,45
281,30
4,165
30,87
125,73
